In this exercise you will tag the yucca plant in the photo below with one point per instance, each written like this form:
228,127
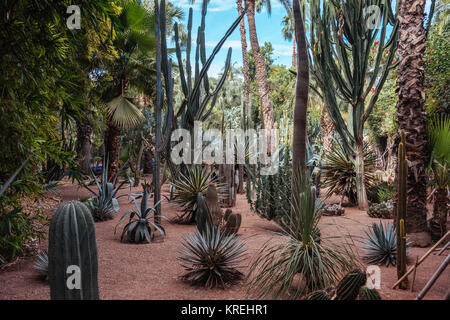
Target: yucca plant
186,189
381,246
302,252
339,175
41,264
212,258
140,227
105,203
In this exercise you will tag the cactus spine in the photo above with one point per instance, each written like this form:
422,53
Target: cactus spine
368,294
72,243
401,210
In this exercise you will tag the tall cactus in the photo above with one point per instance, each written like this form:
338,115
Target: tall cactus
196,101
401,211
72,248
342,36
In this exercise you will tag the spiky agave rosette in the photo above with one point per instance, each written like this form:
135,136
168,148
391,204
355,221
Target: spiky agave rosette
381,245
212,258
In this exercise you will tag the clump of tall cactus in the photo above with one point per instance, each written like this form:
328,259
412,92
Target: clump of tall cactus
232,222
401,210
72,254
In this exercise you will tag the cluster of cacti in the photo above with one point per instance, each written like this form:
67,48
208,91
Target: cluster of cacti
351,287
383,210
272,192
232,222
198,106
72,253
333,210
401,210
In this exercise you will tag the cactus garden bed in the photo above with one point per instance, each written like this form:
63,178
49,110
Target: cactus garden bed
151,271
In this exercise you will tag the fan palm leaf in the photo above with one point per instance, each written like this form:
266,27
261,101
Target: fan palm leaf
123,113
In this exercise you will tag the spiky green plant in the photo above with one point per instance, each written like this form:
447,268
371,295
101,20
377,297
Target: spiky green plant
104,203
187,186
339,175
348,287
140,227
301,252
381,246
212,258
41,264
366,293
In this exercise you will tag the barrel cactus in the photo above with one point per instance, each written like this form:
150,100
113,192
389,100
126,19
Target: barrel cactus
232,222
366,293
317,295
383,210
72,252
348,288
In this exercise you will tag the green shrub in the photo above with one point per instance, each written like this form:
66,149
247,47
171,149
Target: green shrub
381,192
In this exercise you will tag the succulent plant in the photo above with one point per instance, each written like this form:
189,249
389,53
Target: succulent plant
333,210
348,287
366,293
212,258
72,245
41,264
232,222
317,295
380,248
105,203
140,227
383,210
187,187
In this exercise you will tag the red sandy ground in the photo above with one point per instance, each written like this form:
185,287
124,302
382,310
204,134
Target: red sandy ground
151,271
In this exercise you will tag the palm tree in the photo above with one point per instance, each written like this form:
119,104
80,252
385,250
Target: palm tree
244,60
301,94
134,42
288,33
261,74
439,133
411,111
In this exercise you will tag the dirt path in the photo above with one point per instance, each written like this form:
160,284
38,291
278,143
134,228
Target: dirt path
151,271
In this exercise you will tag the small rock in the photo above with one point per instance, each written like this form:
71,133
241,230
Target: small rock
419,239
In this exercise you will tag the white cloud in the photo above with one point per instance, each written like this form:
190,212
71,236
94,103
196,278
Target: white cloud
282,50
235,44
213,6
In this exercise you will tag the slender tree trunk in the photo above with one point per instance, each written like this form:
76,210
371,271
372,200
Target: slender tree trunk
327,129
411,112
148,158
301,95
112,149
84,131
438,224
294,55
261,74
363,202
244,59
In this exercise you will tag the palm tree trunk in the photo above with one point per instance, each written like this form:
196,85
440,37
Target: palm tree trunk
301,95
363,202
84,131
244,59
294,56
112,149
411,110
261,74
327,129
438,223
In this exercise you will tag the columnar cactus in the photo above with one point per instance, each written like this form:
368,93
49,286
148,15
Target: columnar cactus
73,253
401,211
348,288
232,222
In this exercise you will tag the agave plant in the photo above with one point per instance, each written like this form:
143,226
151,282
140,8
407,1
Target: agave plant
186,189
105,203
140,227
41,264
302,252
212,258
381,246
339,175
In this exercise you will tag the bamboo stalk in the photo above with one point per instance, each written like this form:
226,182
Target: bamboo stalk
443,248
433,279
414,274
421,259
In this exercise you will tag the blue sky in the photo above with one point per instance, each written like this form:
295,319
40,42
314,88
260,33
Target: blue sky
220,16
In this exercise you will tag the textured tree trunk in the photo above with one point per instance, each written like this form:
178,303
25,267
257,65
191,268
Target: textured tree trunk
84,131
411,110
438,223
363,202
148,158
244,59
294,55
112,149
301,95
261,74
327,129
